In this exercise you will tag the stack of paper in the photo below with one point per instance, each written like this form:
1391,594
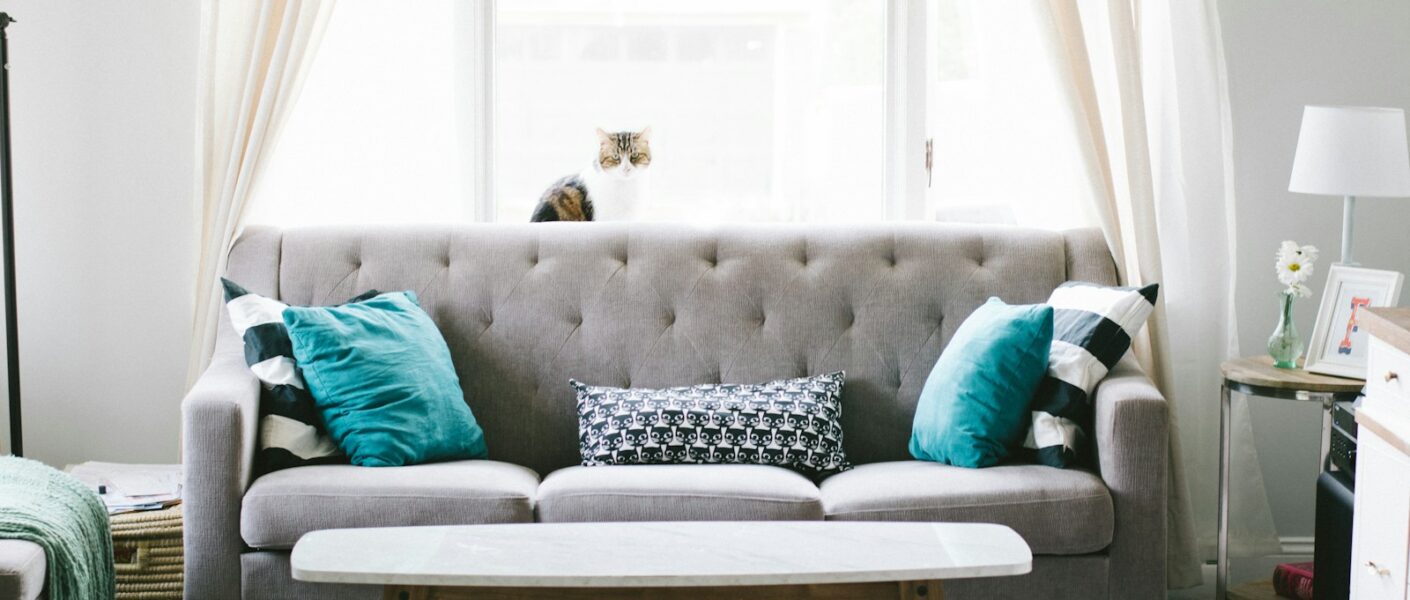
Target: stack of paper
128,488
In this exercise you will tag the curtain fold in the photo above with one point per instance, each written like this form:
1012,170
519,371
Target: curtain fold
1150,99
254,58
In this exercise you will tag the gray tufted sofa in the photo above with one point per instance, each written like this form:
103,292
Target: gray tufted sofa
525,307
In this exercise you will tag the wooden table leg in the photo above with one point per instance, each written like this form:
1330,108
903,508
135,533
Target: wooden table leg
406,592
922,590
905,590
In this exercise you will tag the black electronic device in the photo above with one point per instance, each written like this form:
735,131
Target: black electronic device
1331,558
1342,455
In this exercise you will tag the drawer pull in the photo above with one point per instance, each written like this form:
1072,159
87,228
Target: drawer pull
1391,376
1376,570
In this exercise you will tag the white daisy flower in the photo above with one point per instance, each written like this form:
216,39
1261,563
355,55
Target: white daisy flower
1294,267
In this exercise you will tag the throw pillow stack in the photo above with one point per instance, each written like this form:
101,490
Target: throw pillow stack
375,372
291,431
1015,370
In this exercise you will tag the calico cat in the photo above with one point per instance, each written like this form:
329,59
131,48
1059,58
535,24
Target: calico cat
611,189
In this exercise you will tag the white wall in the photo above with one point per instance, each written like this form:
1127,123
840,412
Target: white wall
103,107
1283,54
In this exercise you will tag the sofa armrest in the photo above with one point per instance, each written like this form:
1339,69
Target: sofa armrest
1132,432
219,420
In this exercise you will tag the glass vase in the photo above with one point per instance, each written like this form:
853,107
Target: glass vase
1285,345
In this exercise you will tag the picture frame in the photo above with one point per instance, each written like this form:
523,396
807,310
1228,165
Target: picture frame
1338,345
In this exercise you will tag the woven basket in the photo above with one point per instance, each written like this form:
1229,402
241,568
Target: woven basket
148,555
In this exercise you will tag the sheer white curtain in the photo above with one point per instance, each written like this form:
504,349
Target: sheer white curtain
1192,151
1148,79
254,56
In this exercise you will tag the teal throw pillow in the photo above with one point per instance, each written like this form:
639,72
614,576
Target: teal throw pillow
381,376
974,407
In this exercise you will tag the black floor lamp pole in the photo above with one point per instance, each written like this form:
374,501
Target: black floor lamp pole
7,229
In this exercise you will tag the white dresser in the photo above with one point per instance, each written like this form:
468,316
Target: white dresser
1380,555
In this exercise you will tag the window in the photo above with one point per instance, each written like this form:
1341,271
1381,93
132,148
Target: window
1005,145
761,110
375,136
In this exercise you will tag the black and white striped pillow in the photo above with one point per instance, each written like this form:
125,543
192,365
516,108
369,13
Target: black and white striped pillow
1092,329
291,431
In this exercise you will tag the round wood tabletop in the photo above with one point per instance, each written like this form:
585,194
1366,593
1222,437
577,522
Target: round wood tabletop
1258,371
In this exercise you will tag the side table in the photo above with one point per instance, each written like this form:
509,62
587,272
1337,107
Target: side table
1256,376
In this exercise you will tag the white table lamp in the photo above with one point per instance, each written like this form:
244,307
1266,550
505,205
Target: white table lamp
1351,151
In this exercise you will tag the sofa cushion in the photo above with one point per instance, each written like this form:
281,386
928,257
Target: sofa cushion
382,377
22,570
973,410
525,306
282,506
678,493
792,423
1093,326
1057,511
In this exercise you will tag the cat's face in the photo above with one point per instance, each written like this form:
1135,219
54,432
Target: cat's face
624,154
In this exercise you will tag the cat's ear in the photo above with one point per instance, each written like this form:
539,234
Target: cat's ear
603,136
645,134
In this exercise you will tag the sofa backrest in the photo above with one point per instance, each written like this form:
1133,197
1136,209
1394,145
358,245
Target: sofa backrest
526,307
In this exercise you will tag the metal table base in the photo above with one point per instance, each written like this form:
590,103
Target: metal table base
1227,390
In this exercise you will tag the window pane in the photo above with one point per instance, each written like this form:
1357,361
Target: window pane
1005,138
376,134
766,110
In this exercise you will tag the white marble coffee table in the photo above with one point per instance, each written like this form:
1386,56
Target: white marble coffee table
662,560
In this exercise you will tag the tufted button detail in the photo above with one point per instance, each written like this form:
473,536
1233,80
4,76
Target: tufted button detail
670,319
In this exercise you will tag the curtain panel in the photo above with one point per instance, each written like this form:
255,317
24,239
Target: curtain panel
254,58
1147,83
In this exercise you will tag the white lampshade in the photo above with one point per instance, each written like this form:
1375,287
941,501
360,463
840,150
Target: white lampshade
1352,151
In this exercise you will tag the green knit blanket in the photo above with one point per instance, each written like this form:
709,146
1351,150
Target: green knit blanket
68,520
